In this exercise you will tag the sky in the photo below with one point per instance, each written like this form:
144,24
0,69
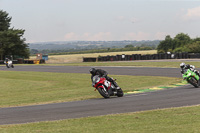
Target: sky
103,20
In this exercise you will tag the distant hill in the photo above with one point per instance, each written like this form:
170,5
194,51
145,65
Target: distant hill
78,45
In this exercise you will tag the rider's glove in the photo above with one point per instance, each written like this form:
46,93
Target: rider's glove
182,71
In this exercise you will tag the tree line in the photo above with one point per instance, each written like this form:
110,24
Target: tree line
180,43
11,40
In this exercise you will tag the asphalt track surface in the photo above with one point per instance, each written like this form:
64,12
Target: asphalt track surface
175,97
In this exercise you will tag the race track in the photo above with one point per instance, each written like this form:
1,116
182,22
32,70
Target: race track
136,71
174,97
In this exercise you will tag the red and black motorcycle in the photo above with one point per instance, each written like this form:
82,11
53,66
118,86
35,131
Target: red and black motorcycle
105,87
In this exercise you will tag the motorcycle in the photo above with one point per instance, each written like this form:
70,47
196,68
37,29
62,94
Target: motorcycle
191,77
9,64
105,87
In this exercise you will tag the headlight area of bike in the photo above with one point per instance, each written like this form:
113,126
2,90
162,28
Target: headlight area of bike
96,79
189,74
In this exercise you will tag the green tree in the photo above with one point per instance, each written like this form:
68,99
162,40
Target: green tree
178,44
194,47
11,40
128,46
4,21
181,39
196,39
166,44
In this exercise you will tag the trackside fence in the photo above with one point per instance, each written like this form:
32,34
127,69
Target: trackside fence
133,57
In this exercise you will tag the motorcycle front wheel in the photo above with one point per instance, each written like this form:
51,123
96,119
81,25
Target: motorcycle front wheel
103,92
194,82
120,93
7,66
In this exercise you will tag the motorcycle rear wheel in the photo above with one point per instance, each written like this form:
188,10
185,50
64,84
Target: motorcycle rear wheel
103,92
7,66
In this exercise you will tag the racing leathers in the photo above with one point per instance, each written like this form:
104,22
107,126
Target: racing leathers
191,67
103,73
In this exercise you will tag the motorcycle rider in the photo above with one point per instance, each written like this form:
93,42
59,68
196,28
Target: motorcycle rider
8,63
102,73
183,66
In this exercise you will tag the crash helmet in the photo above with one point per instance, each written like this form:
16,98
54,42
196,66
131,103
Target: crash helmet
92,71
182,65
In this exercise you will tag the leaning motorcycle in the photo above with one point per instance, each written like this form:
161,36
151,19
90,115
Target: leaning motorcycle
191,77
105,87
9,64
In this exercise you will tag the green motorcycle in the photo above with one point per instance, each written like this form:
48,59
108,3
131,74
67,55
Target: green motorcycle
191,77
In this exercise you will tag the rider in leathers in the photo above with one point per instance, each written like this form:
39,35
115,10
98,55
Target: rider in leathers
183,66
102,73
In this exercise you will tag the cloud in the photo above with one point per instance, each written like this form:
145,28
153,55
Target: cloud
120,18
134,20
192,14
136,36
71,36
160,35
102,36
126,19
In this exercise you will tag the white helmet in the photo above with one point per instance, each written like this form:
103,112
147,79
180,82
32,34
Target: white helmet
182,65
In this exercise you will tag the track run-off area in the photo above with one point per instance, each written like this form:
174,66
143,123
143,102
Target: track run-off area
185,95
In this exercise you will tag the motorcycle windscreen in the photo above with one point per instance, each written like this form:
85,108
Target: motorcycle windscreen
96,79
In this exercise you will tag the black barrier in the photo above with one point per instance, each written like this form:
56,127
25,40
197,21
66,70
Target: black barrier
28,62
15,61
133,57
42,61
1,62
119,57
89,59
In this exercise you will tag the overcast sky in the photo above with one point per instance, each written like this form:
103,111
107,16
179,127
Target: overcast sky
105,20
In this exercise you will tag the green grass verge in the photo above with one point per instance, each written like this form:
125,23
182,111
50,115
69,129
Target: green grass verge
28,88
174,120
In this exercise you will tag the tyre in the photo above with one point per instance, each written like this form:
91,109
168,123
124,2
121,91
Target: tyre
194,82
120,93
12,66
7,66
103,92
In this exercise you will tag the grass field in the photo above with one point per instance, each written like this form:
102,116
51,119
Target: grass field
27,88
77,60
175,120
79,57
